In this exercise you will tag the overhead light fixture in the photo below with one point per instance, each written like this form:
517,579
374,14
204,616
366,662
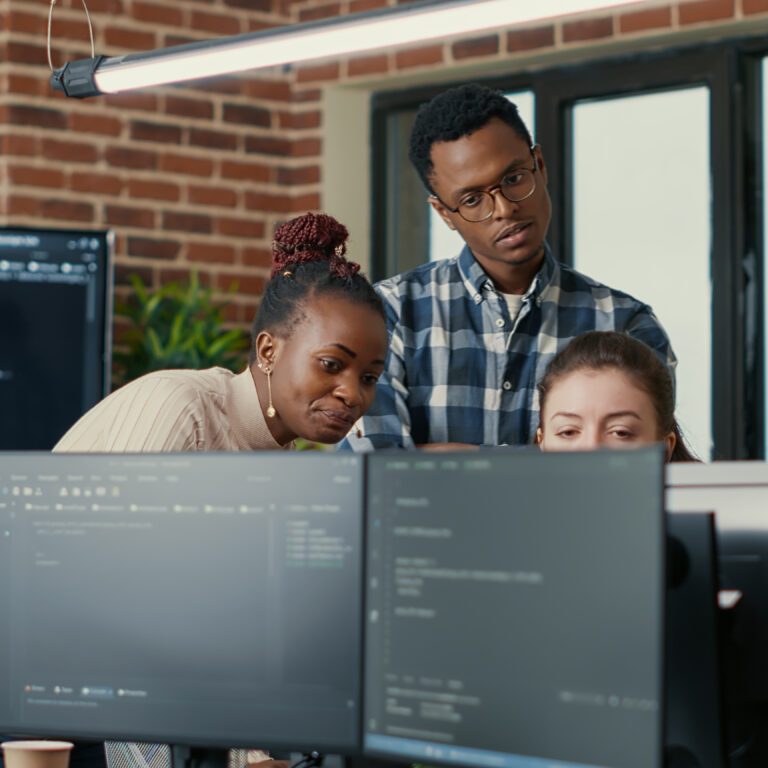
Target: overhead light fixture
385,28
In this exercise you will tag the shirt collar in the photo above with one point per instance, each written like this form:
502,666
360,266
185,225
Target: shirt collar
476,279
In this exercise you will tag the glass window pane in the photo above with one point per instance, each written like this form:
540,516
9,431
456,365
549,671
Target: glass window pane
765,226
445,242
642,224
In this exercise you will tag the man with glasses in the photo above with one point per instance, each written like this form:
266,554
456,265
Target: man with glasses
472,335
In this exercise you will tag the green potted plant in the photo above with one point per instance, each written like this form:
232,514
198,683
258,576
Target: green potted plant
175,326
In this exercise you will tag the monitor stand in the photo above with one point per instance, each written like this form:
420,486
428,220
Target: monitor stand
204,757
198,757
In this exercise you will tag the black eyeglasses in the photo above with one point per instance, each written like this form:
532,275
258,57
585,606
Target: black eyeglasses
480,204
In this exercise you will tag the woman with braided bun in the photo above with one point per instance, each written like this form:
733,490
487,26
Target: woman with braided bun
319,342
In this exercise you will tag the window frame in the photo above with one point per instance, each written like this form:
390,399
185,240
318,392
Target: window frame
731,70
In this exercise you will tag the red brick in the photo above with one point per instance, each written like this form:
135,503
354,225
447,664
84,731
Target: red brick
246,171
143,131
300,121
268,146
653,18
187,222
30,86
157,14
309,174
70,151
530,39
260,26
250,5
237,113
69,29
35,177
318,72
358,6
149,248
251,228
211,253
481,46
261,201
93,123
171,40
706,10
145,102
307,147
257,257
25,53
215,23
34,24
368,65
122,216
66,210
304,97
17,205
320,12
123,274
419,57
267,89
19,145
754,6
101,183
309,202
135,159
155,190
196,108
241,312
227,85
192,166
39,117
221,196
129,39
113,7
589,29
213,139
245,284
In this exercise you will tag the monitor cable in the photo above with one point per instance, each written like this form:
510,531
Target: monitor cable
309,760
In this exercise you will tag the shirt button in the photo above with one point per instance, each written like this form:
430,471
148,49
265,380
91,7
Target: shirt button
499,322
507,385
478,298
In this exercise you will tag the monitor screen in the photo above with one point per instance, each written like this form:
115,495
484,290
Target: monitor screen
55,331
738,494
198,599
514,608
693,732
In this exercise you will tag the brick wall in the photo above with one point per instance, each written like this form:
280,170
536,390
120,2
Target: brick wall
197,176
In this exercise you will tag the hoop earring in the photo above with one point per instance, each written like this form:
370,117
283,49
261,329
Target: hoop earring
271,412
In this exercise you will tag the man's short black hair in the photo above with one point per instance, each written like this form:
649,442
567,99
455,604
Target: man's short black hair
455,113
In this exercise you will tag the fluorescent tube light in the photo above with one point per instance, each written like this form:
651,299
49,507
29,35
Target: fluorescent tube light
356,33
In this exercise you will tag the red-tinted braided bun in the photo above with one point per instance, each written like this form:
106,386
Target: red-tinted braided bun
311,237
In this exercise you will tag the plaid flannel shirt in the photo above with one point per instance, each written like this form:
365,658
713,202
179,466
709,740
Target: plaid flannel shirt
460,369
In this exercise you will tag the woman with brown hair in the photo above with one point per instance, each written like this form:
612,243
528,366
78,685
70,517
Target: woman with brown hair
608,390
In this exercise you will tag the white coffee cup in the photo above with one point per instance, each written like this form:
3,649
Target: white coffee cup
36,753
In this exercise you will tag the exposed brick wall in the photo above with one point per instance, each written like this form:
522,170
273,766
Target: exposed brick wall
197,176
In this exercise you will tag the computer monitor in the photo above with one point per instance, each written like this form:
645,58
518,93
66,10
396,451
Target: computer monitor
514,611
212,600
738,494
693,726
55,331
